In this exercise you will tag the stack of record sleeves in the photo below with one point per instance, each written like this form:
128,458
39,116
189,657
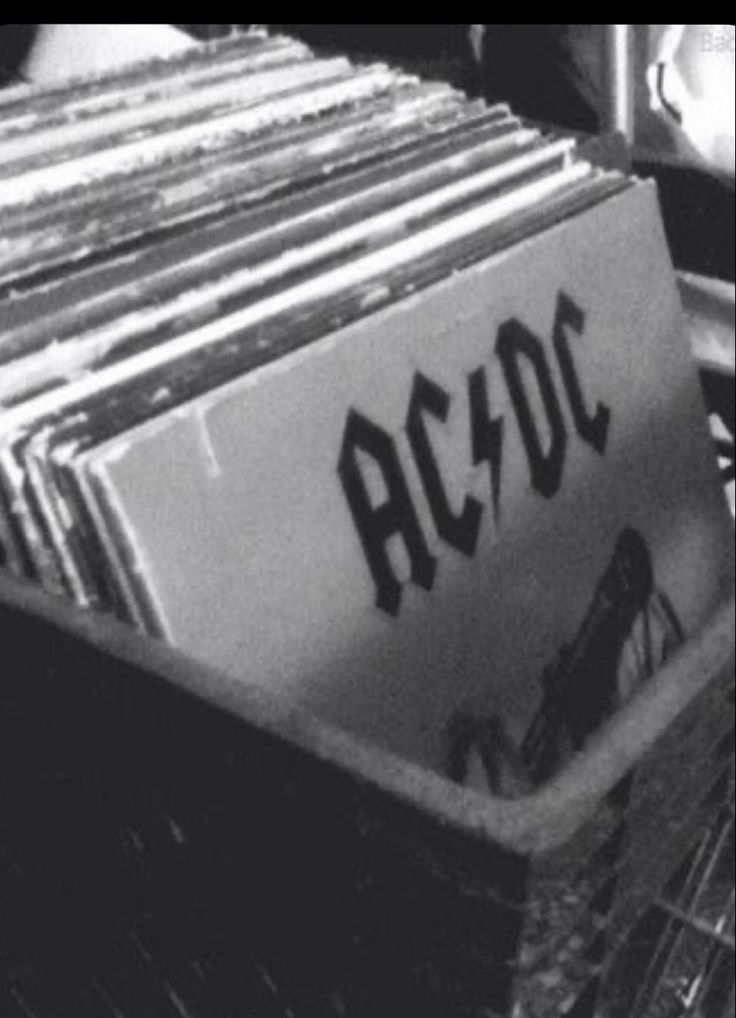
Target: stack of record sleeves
340,382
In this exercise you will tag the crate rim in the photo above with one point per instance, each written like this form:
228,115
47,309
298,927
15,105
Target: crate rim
532,825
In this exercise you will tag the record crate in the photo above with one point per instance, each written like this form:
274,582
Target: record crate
177,845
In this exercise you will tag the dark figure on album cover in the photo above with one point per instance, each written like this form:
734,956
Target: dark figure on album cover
629,630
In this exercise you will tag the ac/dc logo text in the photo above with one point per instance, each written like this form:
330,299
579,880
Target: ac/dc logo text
516,345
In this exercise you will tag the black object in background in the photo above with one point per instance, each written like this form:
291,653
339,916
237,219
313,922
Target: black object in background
206,33
15,45
698,211
440,52
549,73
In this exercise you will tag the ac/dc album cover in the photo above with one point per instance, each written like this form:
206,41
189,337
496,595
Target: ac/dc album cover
356,388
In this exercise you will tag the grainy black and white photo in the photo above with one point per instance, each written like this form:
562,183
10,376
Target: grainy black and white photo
367,521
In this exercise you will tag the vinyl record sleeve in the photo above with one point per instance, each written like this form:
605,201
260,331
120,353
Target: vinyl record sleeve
92,92
119,410
249,515
276,258
40,153
345,86
209,356
54,313
140,116
276,159
48,110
